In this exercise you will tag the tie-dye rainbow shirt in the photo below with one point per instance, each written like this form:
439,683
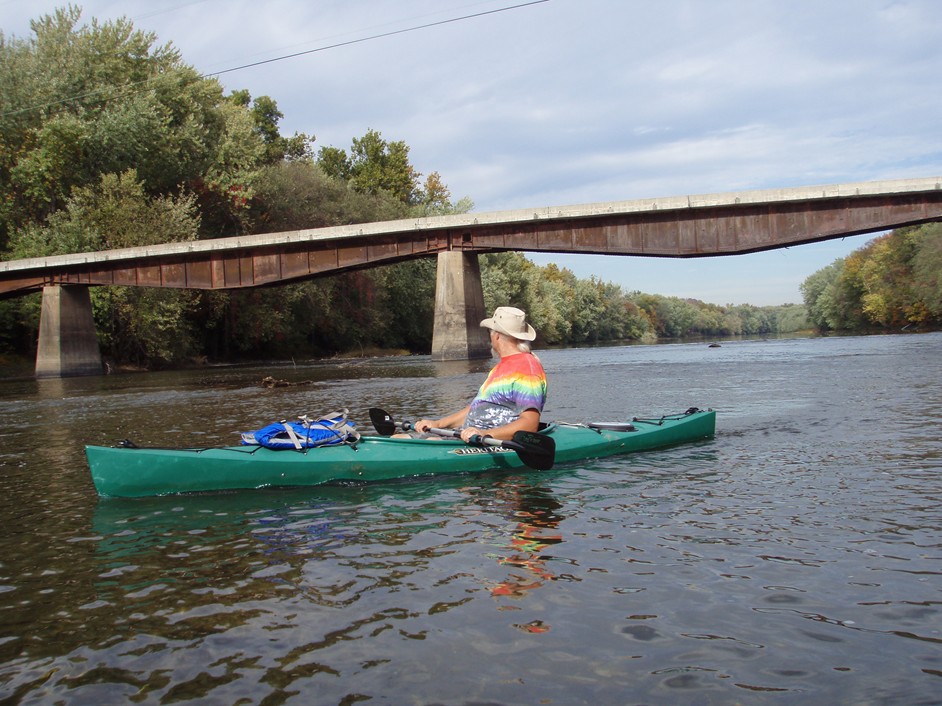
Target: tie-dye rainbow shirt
517,383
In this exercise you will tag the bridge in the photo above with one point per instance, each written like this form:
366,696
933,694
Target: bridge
681,226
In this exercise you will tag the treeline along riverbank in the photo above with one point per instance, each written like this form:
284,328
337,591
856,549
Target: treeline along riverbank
85,168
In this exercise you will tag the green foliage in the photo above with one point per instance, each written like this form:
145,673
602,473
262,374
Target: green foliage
818,293
298,194
84,101
117,213
145,326
386,307
81,102
374,166
406,304
505,278
927,270
227,185
134,324
789,318
108,140
892,282
265,116
568,310
435,199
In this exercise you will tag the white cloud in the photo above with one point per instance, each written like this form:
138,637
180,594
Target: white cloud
582,101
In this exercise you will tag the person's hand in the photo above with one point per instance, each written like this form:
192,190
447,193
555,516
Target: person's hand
423,425
467,434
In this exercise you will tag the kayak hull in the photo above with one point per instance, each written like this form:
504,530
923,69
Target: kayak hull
136,472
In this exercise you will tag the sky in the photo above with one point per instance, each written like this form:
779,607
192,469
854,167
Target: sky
522,104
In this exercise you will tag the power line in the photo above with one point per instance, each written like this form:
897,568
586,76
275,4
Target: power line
278,58
376,36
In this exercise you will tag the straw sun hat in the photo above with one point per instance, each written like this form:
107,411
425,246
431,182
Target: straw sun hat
510,321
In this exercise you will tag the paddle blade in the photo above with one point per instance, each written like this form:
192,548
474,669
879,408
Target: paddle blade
535,450
382,422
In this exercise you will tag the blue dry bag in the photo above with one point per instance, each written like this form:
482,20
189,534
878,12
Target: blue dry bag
306,433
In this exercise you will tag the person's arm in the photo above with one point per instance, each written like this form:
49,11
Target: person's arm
529,420
450,422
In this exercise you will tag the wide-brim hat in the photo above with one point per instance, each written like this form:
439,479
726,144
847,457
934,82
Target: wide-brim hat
510,321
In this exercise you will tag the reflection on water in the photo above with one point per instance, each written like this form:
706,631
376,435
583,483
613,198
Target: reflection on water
794,556
537,530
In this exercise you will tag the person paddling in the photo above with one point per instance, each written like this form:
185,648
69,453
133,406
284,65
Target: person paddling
514,393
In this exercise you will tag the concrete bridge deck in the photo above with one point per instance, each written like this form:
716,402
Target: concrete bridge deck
679,226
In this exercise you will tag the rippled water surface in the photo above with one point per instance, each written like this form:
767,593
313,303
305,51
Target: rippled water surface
796,558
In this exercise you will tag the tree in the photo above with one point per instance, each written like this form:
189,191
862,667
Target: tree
789,318
927,271
505,278
406,296
435,199
227,186
82,102
266,116
135,324
886,276
552,304
116,213
654,310
710,320
297,195
813,290
335,163
617,315
832,295
374,167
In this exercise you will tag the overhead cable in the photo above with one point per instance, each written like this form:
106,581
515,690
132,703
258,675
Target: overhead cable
144,83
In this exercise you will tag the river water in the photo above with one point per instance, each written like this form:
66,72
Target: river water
795,558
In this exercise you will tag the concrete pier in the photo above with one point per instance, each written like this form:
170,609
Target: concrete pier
459,309
68,344
702,225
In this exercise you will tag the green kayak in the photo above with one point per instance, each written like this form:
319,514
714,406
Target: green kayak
123,471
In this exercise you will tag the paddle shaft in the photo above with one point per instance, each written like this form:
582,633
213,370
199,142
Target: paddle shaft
535,450
477,439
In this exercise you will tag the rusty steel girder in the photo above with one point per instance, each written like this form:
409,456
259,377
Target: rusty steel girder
689,226
711,230
220,267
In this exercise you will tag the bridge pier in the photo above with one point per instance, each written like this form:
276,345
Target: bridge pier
459,309
68,343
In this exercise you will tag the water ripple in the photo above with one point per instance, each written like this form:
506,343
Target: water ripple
795,556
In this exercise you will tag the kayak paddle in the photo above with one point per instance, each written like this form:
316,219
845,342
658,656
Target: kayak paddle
535,450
